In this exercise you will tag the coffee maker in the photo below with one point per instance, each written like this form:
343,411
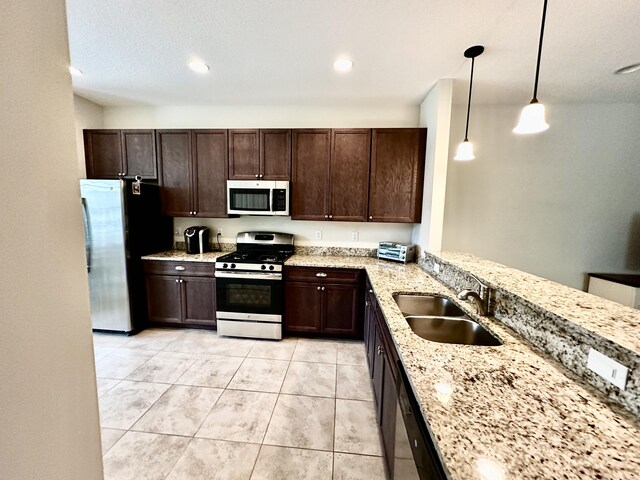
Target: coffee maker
196,239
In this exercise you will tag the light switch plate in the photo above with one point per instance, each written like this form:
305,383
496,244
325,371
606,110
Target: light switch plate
607,368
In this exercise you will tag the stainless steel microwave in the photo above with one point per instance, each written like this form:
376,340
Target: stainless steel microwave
260,197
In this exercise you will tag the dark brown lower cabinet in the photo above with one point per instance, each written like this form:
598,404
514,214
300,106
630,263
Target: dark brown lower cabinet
180,294
323,302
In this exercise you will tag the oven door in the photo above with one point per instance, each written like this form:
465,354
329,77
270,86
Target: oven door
254,296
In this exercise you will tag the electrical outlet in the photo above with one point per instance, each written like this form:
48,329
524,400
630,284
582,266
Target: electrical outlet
607,368
220,231
177,232
318,234
436,267
354,236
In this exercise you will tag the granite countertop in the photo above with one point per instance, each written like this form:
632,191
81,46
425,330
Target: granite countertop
505,412
605,318
183,256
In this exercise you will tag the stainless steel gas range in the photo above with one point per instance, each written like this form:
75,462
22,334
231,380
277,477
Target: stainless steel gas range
249,285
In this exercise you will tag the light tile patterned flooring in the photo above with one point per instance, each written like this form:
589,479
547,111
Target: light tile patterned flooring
189,405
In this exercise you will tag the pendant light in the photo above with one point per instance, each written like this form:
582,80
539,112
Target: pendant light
465,149
532,116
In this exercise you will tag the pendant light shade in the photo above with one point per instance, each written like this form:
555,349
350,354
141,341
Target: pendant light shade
532,116
465,149
531,119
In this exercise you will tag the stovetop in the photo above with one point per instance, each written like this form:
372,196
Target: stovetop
254,256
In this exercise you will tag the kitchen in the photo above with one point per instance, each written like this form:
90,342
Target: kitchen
558,205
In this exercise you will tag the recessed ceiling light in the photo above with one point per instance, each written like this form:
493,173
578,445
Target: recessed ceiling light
199,67
343,65
74,71
628,69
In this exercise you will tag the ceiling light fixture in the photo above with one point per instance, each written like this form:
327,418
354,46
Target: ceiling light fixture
74,71
532,116
628,69
342,65
465,149
199,67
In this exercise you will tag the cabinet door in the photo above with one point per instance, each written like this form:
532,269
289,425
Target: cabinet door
139,152
340,310
388,413
174,156
103,153
275,154
350,155
397,171
310,175
302,307
163,298
378,371
244,154
199,300
210,173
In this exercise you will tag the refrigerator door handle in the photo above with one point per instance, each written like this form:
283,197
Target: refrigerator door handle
87,232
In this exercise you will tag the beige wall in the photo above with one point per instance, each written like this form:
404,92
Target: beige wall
557,204
435,114
48,402
333,233
87,115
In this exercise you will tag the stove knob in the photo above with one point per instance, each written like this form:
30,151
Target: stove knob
263,267
233,265
271,267
224,265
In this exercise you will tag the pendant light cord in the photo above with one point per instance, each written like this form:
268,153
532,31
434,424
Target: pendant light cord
535,86
466,130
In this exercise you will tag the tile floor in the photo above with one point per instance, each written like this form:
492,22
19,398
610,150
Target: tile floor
189,405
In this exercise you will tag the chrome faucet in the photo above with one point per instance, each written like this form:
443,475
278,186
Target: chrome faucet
482,299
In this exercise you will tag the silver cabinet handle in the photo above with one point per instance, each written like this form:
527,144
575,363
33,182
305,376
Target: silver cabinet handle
330,216
366,303
371,290
181,280
321,274
370,217
322,288
257,176
180,268
318,288
326,216
177,280
261,175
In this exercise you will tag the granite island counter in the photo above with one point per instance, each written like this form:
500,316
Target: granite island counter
505,412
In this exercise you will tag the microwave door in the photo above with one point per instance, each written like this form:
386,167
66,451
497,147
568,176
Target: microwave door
250,201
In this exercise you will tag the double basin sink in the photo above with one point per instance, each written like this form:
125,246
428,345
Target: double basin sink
438,319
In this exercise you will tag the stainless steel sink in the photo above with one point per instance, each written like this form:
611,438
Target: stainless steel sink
452,330
427,305
438,319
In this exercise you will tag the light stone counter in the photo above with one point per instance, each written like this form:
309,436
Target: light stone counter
505,412
183,256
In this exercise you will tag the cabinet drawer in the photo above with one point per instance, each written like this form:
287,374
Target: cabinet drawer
192,269
322,275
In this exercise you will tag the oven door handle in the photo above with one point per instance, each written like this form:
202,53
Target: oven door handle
249,276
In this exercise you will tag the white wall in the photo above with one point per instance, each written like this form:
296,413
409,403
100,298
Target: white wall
557,204
333,233
87,115
48,401
435,114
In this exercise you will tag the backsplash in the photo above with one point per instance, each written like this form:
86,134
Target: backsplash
299,249
560,332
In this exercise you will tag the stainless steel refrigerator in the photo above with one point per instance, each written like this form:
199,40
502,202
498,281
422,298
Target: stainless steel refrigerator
120,226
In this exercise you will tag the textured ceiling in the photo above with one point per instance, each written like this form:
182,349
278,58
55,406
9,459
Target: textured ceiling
281,52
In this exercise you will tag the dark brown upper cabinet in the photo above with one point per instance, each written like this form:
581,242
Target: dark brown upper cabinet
260,154
310,174
193,172
397,174
120,153
349,174
331,174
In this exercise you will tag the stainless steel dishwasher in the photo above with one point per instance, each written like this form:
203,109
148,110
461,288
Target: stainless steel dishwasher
415,456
